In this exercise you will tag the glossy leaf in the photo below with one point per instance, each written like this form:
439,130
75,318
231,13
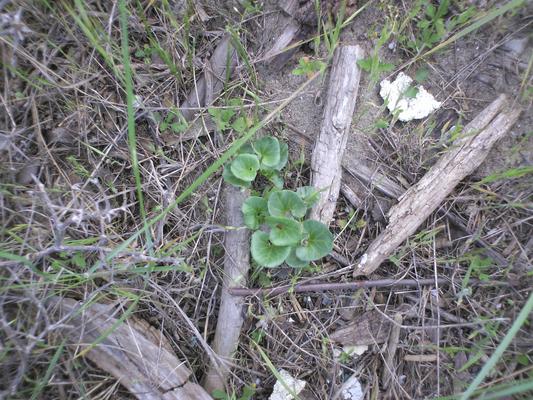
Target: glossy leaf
232,179
245,167
274,177
268,151
295,262
284,231
317,243
283,156
265,253
308,194
286,203
246,149
254,210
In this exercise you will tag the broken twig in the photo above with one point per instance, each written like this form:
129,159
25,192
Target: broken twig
417,204
236,266
326,169
322,287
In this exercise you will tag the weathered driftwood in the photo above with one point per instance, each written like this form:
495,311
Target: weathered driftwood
390,367
236,266
280,51
368,328
330,143
132,351
211,82
424,197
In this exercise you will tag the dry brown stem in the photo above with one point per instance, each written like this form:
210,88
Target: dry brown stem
236,266
326,168
422,199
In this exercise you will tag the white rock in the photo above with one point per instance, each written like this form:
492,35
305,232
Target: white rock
410,108
352,389
280,393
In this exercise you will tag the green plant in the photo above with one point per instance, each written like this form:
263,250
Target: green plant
174,121
289,237
434,24
308,67
226,117
373,64
247,394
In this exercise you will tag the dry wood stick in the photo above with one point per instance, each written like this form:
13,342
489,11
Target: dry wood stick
322,287
373,177
236,266
423,198
326,169
211,83
140,357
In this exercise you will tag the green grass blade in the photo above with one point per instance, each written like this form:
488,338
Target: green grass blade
489,365
130,97
44,381
490,16
275,372
515,388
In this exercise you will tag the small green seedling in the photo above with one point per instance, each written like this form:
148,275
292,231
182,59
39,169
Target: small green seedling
281,232
373,64
247,394
174,121
308,67
435,25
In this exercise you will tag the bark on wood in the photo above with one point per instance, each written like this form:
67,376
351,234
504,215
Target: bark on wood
331,141
236,266
374,178
389,370
424,197
212,81
366,329
134,352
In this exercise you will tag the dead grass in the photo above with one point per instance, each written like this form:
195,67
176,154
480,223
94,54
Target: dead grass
68,201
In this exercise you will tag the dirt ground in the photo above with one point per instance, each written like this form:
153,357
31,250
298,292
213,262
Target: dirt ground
72,222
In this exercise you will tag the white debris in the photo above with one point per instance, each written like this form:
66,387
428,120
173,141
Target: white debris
281,393
417,107
352,389
355,351
352,351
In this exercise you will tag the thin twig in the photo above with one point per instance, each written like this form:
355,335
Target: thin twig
322,287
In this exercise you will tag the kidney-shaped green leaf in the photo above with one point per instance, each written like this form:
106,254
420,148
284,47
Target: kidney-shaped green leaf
254,210
308,194
286,203
317,244
267,148
265,253
295,262
245,167
284,231
232,179
283,156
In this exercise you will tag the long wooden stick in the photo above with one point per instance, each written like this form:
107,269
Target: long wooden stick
236,266
326,168
423,198
322,287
